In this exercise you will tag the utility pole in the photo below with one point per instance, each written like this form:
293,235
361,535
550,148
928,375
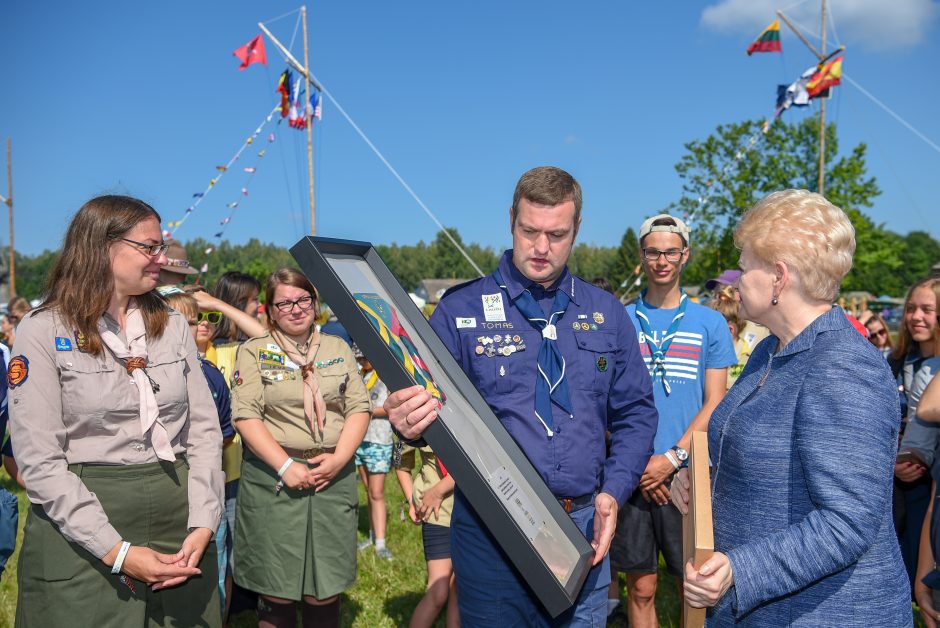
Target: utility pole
302,69
8,200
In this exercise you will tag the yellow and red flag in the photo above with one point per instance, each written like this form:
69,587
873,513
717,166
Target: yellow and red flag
767,41
827,76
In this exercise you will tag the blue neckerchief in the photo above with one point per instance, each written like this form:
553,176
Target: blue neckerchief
550,384
658,352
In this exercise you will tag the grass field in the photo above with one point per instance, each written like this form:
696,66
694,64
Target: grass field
385,592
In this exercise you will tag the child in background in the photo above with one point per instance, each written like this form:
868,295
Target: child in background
202,325
374,458
430,499
725,301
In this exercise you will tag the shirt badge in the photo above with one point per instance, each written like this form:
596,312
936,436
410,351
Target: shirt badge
18,371
493,307
585,326
598,318
237,378
63,344
81,341
466,322
602,364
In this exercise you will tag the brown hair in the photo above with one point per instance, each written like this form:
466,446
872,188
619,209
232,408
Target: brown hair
19,307
547,185
876,318
904,334
288,277
81,282
234,288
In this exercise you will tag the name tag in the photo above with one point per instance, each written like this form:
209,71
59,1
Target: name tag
466,323
63,344
493,307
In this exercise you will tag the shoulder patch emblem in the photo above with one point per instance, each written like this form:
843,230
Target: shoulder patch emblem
63,344
17,371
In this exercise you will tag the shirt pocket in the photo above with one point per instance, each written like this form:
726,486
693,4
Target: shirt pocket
168,371
594,361
85,381
333,382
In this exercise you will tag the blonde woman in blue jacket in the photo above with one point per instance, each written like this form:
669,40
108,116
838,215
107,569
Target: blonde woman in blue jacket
804,443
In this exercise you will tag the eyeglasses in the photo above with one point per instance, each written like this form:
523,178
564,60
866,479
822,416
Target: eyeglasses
671,255
304,303
880,332
152,250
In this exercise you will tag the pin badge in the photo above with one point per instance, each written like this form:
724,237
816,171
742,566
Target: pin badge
598,318
593,326
517,338
576,325
602,364
497,338
479,350
585,326
502,371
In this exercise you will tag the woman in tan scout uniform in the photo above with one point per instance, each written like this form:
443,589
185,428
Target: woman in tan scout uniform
116,436
302,410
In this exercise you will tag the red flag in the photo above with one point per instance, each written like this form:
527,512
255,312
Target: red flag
252,52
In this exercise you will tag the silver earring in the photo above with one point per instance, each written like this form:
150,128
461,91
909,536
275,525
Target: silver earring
774,301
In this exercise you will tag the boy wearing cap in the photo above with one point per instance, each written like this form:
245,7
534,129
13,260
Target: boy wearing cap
688,349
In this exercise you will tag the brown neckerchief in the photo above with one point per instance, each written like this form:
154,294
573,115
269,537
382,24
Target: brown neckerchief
314,406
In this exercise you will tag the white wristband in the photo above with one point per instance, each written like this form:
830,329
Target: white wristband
283,469
671,456
119,561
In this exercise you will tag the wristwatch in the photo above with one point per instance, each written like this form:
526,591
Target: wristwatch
682,455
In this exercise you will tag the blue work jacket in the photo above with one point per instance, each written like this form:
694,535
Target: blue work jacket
608,383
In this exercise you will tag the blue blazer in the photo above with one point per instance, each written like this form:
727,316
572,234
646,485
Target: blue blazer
803,447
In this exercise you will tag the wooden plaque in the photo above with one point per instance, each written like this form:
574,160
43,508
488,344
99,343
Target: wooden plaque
698,538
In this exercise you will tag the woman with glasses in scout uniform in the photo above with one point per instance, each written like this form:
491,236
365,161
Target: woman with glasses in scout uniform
117,437
302,410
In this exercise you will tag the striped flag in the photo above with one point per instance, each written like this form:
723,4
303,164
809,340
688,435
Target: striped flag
828,76
767,41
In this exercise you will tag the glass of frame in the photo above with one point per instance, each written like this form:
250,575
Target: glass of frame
504,488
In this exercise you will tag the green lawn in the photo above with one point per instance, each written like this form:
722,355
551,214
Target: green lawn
385,592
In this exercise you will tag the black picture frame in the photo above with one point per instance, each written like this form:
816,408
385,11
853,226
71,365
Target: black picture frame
505,490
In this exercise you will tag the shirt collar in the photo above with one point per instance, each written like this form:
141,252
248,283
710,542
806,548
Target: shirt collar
832,320
515,282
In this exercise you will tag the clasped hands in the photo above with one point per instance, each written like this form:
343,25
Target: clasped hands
704,586
318,475
163,571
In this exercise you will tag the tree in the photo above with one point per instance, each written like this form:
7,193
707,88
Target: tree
627,259
724,175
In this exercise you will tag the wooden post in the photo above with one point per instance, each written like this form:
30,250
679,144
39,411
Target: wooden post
313,209
822,112
9,202
698,535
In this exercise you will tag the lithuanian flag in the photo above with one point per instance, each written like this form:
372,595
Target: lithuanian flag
828,76
768,41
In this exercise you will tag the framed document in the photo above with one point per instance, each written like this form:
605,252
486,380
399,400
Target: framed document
698,538
506,491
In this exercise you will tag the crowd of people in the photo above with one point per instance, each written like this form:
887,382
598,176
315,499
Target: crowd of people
182,446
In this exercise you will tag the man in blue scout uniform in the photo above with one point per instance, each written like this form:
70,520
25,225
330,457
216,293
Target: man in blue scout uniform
688,350
558,362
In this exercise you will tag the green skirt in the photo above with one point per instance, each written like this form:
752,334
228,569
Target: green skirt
294,543
61,584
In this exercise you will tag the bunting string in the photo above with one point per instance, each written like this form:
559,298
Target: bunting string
174,225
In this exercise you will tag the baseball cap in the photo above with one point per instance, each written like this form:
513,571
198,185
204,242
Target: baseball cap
674,225
177,260
726,278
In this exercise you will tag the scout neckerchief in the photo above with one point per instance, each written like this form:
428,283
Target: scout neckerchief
314,406
371,380
550,384
658,352
134,356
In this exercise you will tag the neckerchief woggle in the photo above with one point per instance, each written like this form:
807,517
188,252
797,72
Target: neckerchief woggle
550,384
658,352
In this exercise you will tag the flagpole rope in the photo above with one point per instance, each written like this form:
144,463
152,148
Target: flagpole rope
894,115
394,172
275,19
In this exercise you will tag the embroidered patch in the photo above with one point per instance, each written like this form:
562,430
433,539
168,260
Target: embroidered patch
63,344
81,341
237,378
466,322
602,364
326,363
271,357
493,307
17,371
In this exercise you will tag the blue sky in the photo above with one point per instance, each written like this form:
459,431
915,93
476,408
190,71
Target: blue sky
146,99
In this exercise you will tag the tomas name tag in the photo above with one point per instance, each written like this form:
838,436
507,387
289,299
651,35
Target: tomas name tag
493,307
466,323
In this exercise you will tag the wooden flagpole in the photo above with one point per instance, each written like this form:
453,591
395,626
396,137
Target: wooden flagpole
8,200
309,119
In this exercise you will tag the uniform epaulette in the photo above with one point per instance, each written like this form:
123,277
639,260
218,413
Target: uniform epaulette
461,286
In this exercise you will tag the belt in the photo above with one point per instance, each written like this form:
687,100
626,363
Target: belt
313,452
573,504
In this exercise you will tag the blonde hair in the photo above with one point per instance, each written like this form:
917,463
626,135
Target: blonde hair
183,303
905,341
808,233
725,302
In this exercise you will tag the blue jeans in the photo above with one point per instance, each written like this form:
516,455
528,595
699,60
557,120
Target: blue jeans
490,592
